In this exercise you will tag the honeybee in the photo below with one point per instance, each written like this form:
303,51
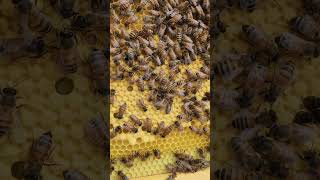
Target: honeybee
234,173
112,96
122,110
72,174
135,120
122,176
201,153
306,26
196,130
69,54
41,149
98,66
227,99
259,40
311,103
82,22
169,106
312,6
147,125
304,117
142,105
178,125
296,46
270,149
246,154
19,47
293,133
129,128
65,7
166,131
96,131
285,73
145,156
127,161
7,109
132,19
34,18
26,170
157,153
227,67
140,84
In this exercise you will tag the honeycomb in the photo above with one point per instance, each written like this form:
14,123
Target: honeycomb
45,110
125,144
273,19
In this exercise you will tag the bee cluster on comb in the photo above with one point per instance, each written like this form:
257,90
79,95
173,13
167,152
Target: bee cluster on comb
159,83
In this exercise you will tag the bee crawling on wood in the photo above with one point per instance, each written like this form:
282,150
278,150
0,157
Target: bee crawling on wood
122,110
72,174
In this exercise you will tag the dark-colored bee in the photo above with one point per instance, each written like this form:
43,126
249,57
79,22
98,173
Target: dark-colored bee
69,54
306,26
157,153
64,7
96,131
72,174
122,176
260,41
28,170
7,109
33,18
296,46
18,47
42,149
312,157
311,103
99,72
122,110
304,117
235,173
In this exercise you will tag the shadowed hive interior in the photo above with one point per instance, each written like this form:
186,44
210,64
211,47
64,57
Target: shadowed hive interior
273,20
45,110
125,144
